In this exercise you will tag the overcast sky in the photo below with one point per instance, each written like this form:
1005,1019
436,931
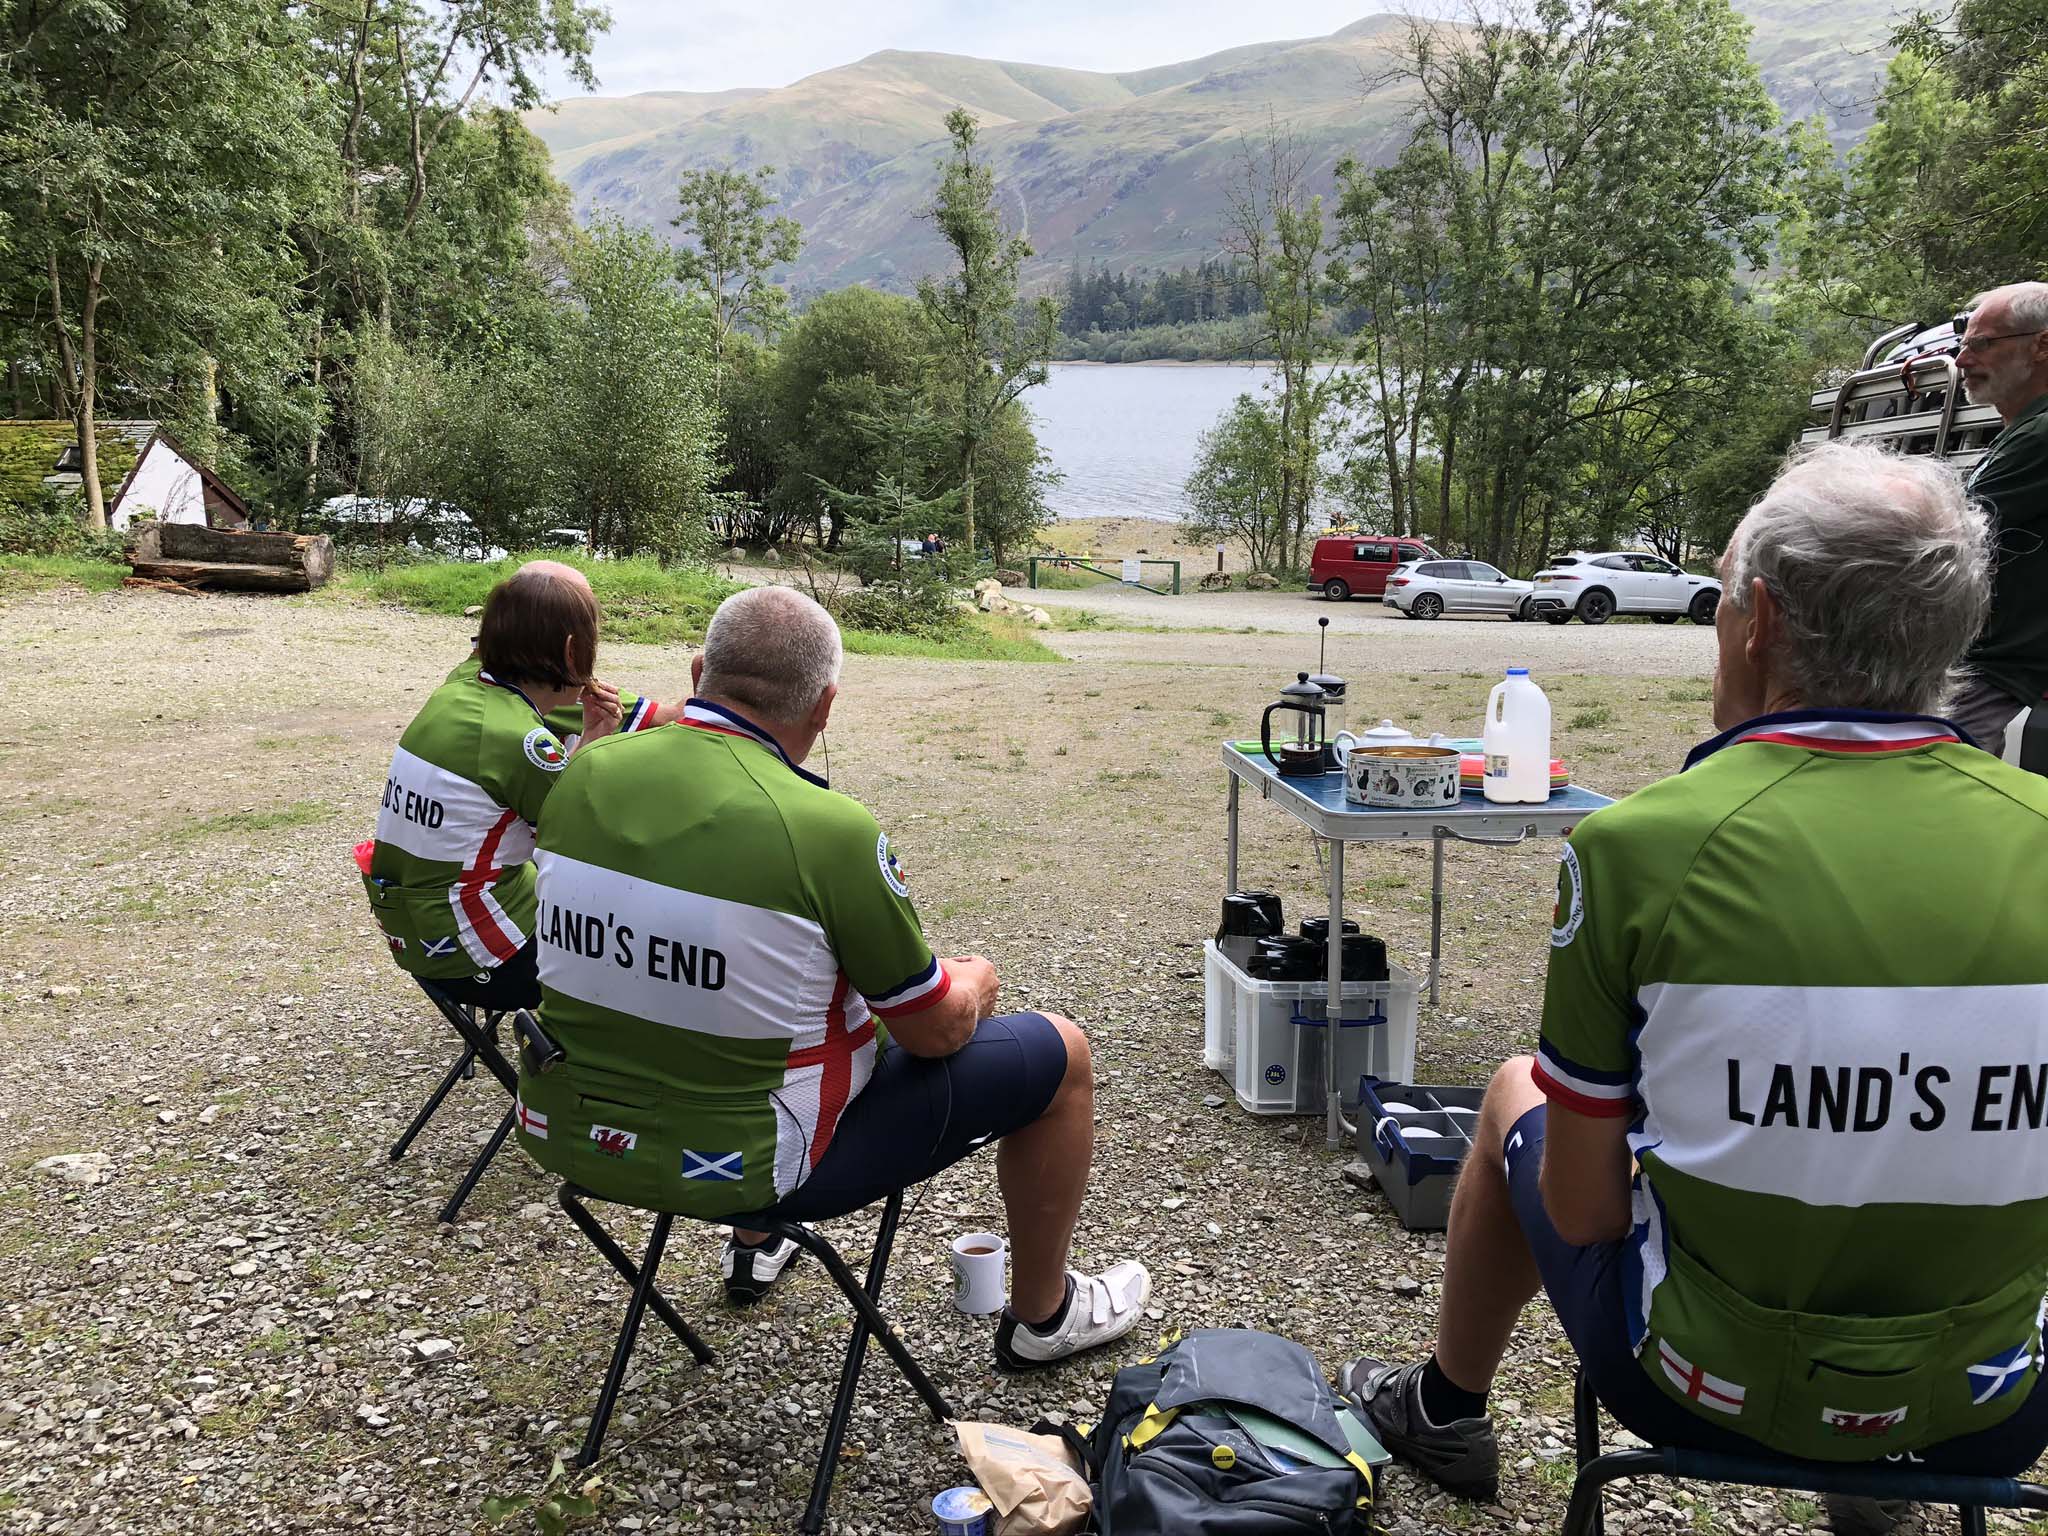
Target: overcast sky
714,45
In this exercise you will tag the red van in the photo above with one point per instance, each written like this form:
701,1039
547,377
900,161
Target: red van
1358,565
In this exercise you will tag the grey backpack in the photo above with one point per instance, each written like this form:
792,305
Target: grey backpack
1229,1431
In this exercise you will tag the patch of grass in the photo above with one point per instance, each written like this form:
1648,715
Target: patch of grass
300,813
641,600
40,573
1592,719
1690,693
1054,579
1800,1511
1134,776
983,639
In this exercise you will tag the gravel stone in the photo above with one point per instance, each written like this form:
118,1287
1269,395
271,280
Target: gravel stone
222,964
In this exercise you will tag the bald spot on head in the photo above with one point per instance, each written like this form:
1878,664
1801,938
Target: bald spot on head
551,570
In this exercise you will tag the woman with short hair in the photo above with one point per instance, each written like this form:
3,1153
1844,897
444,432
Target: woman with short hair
449,873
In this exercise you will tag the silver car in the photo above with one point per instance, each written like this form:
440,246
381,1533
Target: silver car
1428,589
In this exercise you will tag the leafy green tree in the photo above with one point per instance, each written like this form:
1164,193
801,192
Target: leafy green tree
853,357
1238,490
1566,225
1276,231
153,155
1013,476
993,356
725,211
635,430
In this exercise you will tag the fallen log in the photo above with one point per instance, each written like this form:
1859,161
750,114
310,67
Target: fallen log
235,562
222,576
148,585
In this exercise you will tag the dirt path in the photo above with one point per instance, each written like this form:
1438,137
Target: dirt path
225,1336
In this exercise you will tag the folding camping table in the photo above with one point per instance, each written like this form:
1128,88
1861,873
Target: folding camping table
1318,803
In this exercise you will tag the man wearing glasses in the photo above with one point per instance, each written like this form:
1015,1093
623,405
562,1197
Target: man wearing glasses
2004,364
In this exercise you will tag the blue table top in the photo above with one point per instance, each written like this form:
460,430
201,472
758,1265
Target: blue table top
1320,802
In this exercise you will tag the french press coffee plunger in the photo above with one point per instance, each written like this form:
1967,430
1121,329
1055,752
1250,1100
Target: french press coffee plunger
1300,707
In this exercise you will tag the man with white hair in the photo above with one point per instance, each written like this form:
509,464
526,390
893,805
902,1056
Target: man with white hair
2004,364
1781,1159
722,941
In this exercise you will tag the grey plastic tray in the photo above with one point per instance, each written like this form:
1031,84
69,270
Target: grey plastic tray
1414,1137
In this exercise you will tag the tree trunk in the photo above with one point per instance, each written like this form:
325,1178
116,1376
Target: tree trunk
196,556
967,500
88,431
313,435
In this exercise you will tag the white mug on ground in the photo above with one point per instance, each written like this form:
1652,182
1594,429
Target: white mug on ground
980,1285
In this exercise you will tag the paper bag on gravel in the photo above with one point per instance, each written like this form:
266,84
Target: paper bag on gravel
1031,1480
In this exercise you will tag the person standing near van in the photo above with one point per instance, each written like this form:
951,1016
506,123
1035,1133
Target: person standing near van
2004,364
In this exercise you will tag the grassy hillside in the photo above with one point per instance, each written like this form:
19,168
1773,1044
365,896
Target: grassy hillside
1128,169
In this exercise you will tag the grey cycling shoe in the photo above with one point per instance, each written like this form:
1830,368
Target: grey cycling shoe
1461,1457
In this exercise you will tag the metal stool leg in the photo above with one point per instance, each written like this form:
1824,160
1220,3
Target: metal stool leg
615,1374
868,1319
1973,1519
465,1066
864,1304
614,1255
453,1208
1586,1446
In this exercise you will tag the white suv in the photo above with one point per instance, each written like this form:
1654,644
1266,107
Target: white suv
1596,587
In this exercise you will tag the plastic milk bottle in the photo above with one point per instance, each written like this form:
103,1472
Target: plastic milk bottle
1516,740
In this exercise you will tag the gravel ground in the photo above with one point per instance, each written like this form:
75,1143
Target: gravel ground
228,1334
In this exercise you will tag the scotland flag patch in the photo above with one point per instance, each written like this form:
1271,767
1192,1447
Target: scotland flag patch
438,947
713,1167
2000,1374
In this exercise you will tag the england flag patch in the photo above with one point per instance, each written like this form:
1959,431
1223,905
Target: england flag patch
2000,1374
531,1121
1703,1387
714,1167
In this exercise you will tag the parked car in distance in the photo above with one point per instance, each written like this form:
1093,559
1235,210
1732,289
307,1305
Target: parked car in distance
1428,589
1596,587
1347,565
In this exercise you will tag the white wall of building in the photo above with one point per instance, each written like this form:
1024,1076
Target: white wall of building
166,484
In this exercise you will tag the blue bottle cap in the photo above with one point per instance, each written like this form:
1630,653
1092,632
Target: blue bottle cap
1518,671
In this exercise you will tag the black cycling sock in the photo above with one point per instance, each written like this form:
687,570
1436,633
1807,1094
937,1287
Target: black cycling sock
1059,1313
1444,1401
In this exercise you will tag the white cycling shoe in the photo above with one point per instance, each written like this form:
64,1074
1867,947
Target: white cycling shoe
1100,1309
750,1273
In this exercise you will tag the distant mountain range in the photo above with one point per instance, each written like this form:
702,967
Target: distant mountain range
1130,170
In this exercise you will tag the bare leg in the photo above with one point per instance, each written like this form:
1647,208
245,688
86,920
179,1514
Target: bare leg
1043,1171
1489,1274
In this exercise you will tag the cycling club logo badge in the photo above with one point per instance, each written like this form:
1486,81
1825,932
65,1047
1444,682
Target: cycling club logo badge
543,751
891,870
1570,910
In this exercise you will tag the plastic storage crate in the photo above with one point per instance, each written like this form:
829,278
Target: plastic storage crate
1267,1036
1414,1138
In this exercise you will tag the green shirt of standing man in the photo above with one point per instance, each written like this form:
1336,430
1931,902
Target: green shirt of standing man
2004,363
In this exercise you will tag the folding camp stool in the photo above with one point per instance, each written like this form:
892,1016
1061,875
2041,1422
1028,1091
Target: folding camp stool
868,1319
480,1044
1867,1480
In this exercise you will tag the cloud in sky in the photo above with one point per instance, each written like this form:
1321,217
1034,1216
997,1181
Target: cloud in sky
670,45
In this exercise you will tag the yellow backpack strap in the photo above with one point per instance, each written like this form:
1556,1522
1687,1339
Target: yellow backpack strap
1149,1427
1364,1470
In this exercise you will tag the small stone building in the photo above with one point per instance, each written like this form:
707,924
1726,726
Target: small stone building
143,469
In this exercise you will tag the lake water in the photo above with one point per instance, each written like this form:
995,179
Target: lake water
1125,434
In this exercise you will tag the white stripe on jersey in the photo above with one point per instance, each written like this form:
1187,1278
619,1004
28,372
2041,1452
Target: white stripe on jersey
434,814
1937,1091
620,942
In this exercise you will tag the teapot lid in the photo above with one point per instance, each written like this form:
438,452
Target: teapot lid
1386,730
1302,691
